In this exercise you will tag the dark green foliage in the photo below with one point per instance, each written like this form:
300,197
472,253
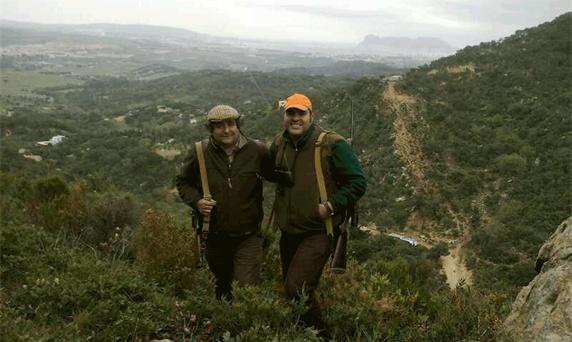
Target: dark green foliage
496,134
55,289
110,223
103,221
165,250
504,130
49,189
510,164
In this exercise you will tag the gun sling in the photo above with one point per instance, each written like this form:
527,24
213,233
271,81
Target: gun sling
321,182
204,183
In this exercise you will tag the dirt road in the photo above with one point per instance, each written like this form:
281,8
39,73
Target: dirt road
408,147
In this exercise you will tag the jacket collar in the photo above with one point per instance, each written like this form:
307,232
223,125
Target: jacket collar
303,139
242,140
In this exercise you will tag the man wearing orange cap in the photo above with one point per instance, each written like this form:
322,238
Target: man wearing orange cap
304,244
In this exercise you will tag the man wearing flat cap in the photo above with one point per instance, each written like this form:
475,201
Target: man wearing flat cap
234,164
305,242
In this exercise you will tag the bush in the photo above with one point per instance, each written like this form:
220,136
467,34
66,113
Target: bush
50,188
67,293
110,222
510,164
58,208
165,250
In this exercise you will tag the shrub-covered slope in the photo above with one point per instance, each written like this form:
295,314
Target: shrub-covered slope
497,132
474,148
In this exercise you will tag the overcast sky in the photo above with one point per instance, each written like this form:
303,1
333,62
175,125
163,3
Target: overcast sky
459,22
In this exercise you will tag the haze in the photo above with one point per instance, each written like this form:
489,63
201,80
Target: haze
458,22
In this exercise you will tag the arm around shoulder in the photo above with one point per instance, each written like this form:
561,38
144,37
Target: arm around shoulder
267,157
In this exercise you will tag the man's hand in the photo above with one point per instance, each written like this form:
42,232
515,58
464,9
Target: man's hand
205,206
323,211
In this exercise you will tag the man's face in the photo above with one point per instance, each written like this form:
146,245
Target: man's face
225,132
297,121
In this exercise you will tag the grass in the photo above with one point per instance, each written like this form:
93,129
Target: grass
23,83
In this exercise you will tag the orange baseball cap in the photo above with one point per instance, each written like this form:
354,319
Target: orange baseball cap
299,101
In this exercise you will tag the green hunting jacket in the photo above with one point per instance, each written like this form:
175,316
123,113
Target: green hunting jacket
236,186
296,205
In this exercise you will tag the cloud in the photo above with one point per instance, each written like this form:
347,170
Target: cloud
336,13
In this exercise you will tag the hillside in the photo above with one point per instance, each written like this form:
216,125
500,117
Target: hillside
469,154
496,134
115,50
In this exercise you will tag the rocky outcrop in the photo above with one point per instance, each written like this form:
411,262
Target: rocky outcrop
542,310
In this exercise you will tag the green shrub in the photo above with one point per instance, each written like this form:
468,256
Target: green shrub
165,250
109,224
50,188
58,207
53,290
510,164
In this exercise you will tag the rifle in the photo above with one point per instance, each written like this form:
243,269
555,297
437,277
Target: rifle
203,232
200,242
339,255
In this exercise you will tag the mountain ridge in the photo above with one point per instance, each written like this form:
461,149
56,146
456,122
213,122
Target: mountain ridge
471,151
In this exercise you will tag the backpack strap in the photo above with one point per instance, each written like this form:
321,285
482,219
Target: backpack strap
204,183
321,182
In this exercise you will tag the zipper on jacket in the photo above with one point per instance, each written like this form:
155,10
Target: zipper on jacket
229,174
289,193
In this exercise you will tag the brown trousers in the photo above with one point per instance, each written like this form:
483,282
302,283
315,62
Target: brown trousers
234,258
303,257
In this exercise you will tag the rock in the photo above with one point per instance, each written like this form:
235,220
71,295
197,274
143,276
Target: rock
557,249
542,310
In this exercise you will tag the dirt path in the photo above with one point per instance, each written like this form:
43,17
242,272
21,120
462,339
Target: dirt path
453,264
458,275
406,144
408,147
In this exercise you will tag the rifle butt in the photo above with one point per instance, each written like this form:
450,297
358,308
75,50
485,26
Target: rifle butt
339,258
199,256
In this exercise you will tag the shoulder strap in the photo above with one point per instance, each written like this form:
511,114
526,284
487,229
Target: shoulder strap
204,183
321,182
203,170
279,145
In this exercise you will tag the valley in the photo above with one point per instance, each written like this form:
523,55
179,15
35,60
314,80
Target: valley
467,154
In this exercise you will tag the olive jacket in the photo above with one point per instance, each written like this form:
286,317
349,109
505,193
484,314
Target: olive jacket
297,194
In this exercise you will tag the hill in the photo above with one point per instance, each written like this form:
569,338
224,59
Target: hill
86,49
102,30
495,126
469,154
